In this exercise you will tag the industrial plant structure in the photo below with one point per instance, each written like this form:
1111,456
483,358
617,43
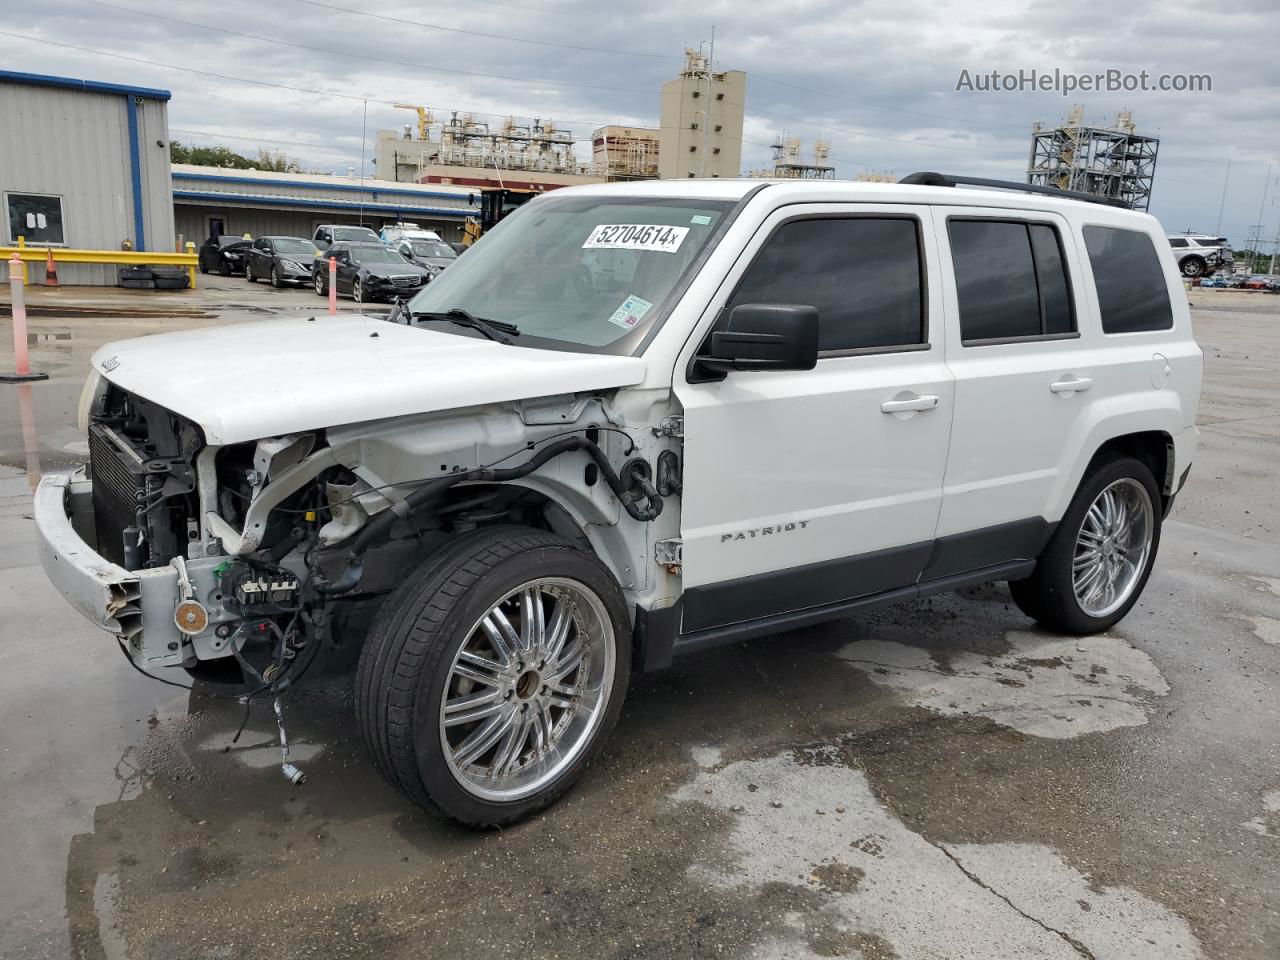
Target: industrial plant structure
1114,162
626,153
699,135
702,116
789,165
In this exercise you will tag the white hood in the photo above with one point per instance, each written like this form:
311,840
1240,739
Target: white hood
263,379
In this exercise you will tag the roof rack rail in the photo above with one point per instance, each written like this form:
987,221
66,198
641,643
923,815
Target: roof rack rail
928,179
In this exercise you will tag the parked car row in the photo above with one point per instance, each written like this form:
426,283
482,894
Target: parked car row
1256,281
371,266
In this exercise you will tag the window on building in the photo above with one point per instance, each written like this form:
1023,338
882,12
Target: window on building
693,126
719,128
719,96
693,149
35,216
696,94
715,149
1011,280
864,274
1133,294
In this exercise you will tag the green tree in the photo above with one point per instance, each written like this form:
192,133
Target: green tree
224,157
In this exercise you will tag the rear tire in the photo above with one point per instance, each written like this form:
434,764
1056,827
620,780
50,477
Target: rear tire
248,274
431,655
1096,565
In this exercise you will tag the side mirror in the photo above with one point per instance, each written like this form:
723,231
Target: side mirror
765,336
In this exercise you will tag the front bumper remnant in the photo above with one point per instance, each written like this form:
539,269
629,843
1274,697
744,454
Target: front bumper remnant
137,606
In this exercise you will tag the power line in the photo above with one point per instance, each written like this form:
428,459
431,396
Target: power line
489,36
356,56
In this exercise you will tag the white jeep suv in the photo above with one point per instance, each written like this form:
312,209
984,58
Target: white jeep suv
637,420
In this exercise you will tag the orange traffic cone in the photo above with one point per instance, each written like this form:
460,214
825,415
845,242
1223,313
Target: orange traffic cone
50,271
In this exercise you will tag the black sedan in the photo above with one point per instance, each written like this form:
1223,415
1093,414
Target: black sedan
281,260
433,255
369,272
224,255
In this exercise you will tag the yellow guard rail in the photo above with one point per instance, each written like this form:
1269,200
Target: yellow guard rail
120,257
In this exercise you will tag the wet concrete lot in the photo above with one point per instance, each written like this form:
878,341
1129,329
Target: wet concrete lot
937,780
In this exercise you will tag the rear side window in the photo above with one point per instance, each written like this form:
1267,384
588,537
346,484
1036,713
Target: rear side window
1132,292
864,274
1177,242
1011,280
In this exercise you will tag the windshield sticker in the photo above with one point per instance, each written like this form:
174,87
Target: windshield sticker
631,312
636,236
700,220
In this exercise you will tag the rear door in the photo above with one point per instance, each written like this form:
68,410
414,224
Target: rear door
810,488
1023,379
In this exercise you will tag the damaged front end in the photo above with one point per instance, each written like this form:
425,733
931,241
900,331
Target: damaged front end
192,553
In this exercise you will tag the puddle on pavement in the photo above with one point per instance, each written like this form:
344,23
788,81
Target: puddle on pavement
1045,686
821,829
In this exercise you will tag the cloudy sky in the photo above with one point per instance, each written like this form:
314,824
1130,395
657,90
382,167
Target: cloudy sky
877,79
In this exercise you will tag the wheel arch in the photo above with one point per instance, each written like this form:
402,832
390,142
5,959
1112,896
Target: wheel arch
580,519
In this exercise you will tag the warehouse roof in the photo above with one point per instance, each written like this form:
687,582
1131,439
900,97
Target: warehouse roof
89,86
219,178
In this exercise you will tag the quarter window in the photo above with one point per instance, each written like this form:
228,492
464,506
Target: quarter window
1011,280
864,274
36,217
1132,292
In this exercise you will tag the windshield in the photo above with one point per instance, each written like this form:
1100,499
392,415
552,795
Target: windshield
579,273
432,248
353,233
295,245
375,253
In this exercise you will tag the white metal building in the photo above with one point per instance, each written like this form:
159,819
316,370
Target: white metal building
83,165
212,201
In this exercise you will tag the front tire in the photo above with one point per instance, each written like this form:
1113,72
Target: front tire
275,276
1097,563
321,291
1194,267
494,675
357,290
248,274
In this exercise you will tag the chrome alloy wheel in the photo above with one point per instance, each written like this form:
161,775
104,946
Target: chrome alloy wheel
1112,547
527,689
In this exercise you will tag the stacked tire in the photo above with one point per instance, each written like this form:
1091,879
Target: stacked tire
153,278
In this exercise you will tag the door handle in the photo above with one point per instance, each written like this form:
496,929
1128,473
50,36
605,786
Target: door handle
927,402
1071,385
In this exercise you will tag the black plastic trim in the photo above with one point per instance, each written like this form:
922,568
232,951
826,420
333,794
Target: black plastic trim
734,633
961,552
800,588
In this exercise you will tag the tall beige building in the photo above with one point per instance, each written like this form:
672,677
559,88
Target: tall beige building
701,129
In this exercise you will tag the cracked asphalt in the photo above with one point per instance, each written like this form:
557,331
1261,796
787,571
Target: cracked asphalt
937,780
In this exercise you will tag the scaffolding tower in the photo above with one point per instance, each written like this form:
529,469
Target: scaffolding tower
1114,162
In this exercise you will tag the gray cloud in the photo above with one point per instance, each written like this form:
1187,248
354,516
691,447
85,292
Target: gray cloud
875,78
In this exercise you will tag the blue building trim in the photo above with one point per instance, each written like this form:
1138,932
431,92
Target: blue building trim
135,173
372,191
343,205
91,86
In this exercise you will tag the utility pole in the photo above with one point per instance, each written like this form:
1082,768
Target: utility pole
1262,212
1223,202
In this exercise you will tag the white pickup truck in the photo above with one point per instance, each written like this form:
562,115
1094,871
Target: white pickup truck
634,421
